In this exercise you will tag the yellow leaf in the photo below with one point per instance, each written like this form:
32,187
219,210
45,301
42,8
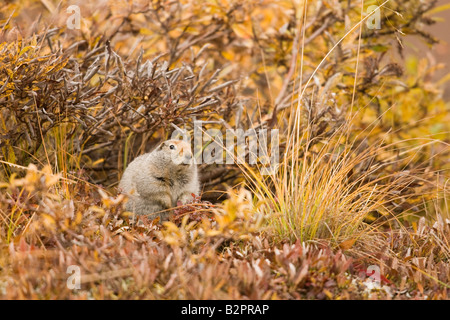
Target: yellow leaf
242,31
78,218
49,221
347,244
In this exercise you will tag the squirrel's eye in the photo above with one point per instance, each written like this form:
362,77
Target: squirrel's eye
172,147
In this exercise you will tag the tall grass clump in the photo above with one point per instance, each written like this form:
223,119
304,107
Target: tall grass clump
338,191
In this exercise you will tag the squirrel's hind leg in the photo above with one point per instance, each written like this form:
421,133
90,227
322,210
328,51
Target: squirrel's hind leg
149,208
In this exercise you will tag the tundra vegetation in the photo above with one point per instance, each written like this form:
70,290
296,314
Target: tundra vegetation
359,205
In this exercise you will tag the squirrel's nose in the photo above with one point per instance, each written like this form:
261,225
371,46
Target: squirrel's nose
188,158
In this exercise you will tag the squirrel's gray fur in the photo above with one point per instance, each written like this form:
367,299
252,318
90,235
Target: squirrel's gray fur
158,180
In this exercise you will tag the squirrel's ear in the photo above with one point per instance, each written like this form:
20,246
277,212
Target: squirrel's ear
160,146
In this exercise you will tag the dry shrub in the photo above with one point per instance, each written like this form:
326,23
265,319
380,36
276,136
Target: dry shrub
95,104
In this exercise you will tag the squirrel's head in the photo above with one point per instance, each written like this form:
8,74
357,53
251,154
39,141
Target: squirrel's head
178,150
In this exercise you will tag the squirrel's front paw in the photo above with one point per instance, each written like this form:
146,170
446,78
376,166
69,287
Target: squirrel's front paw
185,198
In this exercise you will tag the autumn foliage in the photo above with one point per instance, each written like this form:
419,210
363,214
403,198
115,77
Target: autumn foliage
364,145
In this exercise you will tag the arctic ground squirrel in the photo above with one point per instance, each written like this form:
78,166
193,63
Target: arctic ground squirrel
158,180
